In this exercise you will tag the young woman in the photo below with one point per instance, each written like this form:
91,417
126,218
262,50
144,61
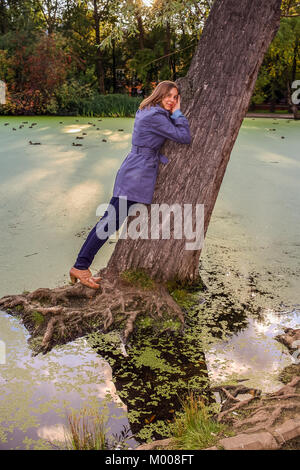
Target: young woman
158,117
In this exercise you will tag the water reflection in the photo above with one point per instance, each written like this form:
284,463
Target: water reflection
159,370
253,353
37,393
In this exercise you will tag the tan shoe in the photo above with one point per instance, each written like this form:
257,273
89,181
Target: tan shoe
85,277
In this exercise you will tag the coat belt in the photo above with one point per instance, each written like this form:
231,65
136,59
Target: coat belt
152,151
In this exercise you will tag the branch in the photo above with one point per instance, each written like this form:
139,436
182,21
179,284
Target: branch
171,53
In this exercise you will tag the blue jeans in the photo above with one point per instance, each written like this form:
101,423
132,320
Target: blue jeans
93,243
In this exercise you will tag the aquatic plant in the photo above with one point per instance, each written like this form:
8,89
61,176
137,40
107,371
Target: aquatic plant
87,431
96,105
196,427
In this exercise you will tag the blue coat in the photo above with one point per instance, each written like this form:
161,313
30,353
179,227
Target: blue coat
137,175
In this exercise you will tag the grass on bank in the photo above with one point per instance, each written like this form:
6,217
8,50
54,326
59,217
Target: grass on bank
266,111
114,105
196,428
75,104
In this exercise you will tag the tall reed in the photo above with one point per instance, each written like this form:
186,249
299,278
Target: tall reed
86,430
113,105
196,427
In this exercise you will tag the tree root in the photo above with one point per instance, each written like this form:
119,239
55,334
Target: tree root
229,393
62,314
259,412
267,410
290,339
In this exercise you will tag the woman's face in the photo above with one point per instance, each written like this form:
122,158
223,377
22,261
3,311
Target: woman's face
169,101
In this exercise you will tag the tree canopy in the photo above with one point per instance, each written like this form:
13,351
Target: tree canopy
110,46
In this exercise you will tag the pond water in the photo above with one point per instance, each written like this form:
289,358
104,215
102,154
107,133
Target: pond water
48,199
39,393
49,194
252,250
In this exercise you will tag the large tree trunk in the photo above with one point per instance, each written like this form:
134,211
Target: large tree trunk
3,17
215,97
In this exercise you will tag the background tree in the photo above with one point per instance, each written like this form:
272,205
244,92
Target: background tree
51,12
115,43
280,65
43,71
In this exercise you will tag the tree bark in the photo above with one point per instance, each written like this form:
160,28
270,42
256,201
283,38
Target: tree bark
215,97
114,66
167,45
3,17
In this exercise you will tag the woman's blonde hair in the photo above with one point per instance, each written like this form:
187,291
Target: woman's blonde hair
159,92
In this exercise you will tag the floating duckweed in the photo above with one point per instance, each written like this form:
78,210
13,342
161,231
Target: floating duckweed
151,358
171,323
144,322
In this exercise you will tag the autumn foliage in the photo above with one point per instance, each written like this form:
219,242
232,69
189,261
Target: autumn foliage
40,73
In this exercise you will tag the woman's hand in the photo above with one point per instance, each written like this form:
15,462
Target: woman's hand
177,105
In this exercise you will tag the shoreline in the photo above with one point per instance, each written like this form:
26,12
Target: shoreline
247,115
270,115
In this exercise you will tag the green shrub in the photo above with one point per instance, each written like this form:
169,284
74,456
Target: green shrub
80,99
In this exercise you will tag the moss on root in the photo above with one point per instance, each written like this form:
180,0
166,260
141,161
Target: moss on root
289,372
138,277
37,318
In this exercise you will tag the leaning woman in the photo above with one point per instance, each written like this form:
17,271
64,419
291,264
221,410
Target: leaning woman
157,119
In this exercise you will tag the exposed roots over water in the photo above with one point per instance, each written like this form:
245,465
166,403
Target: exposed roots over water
59,315
290,339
